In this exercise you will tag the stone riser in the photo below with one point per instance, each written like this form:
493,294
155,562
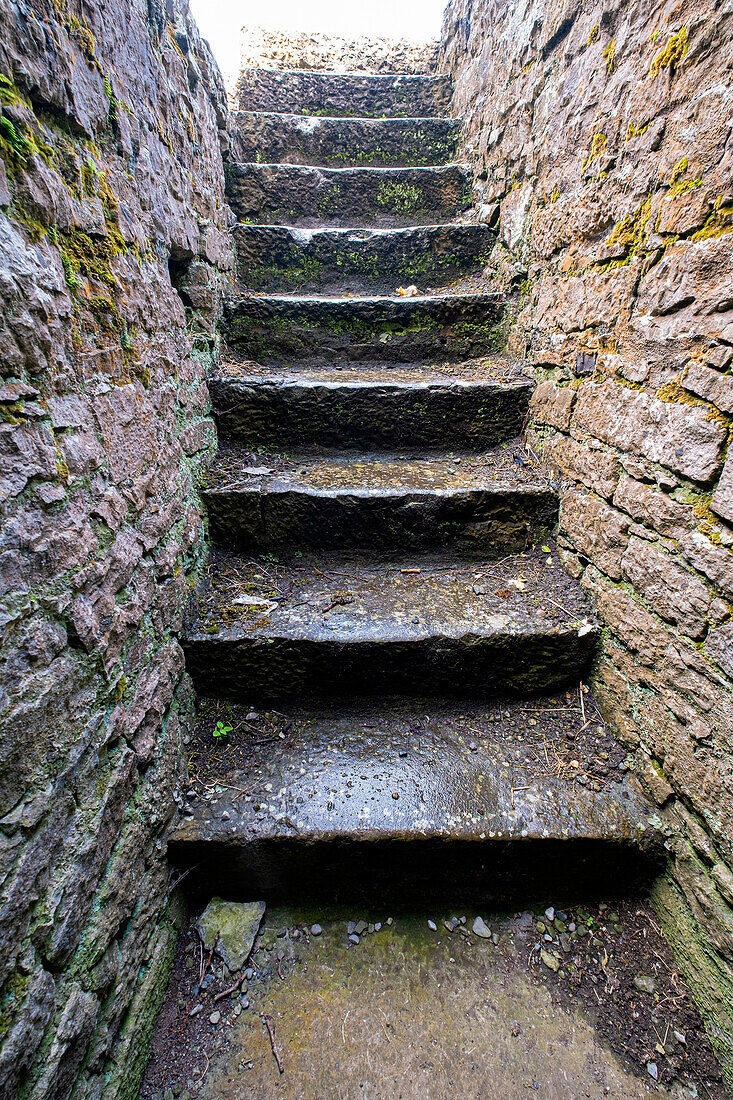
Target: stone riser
344,95
287,194
472,522
272,668
407,330
342,142
399,870
281,259
369,416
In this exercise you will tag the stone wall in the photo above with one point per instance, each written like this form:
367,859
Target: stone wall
113,228
602,138
332,53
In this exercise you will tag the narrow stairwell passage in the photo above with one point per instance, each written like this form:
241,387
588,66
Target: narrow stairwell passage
390,644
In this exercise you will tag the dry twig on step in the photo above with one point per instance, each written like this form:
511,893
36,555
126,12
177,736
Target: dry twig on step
267,1020
214,946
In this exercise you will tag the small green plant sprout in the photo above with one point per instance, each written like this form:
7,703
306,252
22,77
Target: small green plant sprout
221,730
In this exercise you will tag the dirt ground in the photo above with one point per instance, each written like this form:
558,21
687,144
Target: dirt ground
579,1001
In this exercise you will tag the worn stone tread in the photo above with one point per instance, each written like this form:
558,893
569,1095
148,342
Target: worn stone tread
427,328
342,142
495,369
476,503
291,810
307,92
372,406
309,196
329,625
329,260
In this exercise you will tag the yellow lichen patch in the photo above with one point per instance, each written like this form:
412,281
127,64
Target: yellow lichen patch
594,34
630,231
678,171
555,195
598,146
633,130
609,55
673,393
718,223
672,54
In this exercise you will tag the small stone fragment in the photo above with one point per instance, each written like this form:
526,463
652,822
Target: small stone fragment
644,983
480,928
214,1018
432,926
237,924
316,930
550,914
651,1068
552,962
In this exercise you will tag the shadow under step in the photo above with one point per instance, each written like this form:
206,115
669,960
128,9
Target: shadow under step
342,142
496,501
401,800
303,195
276,328
304,92
271,257
475,404
269,631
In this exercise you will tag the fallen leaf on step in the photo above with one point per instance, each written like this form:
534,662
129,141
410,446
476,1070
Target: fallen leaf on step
407,291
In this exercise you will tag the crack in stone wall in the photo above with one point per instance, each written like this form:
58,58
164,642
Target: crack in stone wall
602,139
110,137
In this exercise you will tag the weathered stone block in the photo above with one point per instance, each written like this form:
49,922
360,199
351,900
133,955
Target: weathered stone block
652,507
552,404
669,589
598,531
675,435
722,502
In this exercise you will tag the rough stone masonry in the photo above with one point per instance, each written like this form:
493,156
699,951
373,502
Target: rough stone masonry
602,139
114,246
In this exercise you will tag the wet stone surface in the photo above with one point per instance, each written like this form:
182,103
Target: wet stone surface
497,501
309,196
283,258
337,596
344,95
420,624
438,328
400,1008
342,142
517,769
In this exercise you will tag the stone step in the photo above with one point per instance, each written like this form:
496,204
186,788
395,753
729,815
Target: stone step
303,195
342,142
495,501
475,404
278,328
268,630
283,258
423,798
303,92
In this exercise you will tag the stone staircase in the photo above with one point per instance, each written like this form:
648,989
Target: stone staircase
384,587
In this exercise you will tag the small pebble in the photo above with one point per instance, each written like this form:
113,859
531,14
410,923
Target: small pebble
214,1017
550,914
651,1068
353,938
316,930
432,926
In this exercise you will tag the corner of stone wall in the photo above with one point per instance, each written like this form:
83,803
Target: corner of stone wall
599,142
